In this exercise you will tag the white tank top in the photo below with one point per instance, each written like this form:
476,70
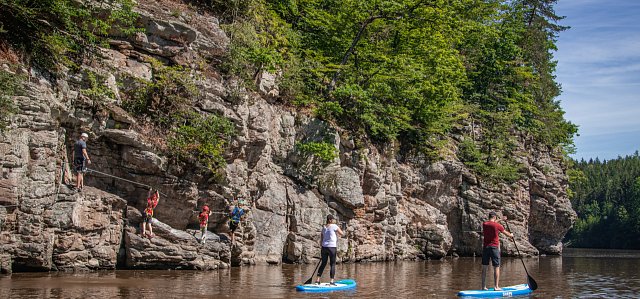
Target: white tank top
329,237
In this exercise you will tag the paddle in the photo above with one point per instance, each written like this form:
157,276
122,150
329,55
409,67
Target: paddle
533,285
314,273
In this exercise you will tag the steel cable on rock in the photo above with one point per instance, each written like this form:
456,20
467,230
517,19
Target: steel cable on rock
126,180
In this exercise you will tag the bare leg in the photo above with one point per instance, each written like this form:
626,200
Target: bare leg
484,276
150,230
496,277
144,227
78,180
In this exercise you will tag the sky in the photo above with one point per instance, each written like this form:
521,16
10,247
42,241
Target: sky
599,70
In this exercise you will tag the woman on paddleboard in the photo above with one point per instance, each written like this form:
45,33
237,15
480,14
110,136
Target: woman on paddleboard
329,242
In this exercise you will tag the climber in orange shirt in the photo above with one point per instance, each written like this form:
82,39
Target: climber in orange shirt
152,201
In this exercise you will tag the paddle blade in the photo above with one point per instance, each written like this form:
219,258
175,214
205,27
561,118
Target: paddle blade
533,285
308,280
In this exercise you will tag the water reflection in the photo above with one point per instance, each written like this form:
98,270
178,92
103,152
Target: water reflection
576,275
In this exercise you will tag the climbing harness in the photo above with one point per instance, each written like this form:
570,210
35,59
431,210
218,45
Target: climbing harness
236,214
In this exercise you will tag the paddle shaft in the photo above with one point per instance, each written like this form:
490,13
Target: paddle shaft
532,283
314,273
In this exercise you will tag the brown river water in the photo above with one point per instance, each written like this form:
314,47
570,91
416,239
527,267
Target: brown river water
577,274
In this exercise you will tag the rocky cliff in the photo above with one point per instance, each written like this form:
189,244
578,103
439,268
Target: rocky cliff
394,207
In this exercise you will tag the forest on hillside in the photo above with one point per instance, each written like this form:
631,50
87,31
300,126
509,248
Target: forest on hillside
402,72
606,196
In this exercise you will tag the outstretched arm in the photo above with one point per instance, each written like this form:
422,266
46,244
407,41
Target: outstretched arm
510,235
506,232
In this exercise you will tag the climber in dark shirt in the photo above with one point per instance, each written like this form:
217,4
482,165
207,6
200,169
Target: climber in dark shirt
80,160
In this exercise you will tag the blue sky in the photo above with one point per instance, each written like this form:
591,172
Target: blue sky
599,70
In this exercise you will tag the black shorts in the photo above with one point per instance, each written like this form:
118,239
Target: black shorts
233,225
491,253
79,165
148,219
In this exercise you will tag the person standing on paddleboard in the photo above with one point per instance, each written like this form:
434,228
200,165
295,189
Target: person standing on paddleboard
329,241
491,230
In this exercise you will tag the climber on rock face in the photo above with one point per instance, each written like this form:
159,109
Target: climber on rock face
152,201
80,160
237,213
204,221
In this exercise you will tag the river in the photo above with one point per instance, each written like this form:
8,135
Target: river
578,273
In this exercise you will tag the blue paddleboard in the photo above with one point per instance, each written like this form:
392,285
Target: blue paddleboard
340,285
516,290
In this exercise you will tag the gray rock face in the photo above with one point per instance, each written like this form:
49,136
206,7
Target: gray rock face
88,230
172,248
342,184
45,226
551,212
391,209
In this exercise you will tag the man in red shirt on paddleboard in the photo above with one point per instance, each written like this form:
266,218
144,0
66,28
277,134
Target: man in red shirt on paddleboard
491,230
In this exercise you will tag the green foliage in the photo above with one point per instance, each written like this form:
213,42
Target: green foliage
167,101
410,70
325,151
10,85
606,196
202,137
576,178
61,32
381,67
170,91
468,152
261,41
493,170
97,87
510,81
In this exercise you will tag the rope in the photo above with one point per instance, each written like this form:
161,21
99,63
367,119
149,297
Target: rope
130,181
220,213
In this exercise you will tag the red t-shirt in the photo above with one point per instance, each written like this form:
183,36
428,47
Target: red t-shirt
491,231
152,201
204,218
